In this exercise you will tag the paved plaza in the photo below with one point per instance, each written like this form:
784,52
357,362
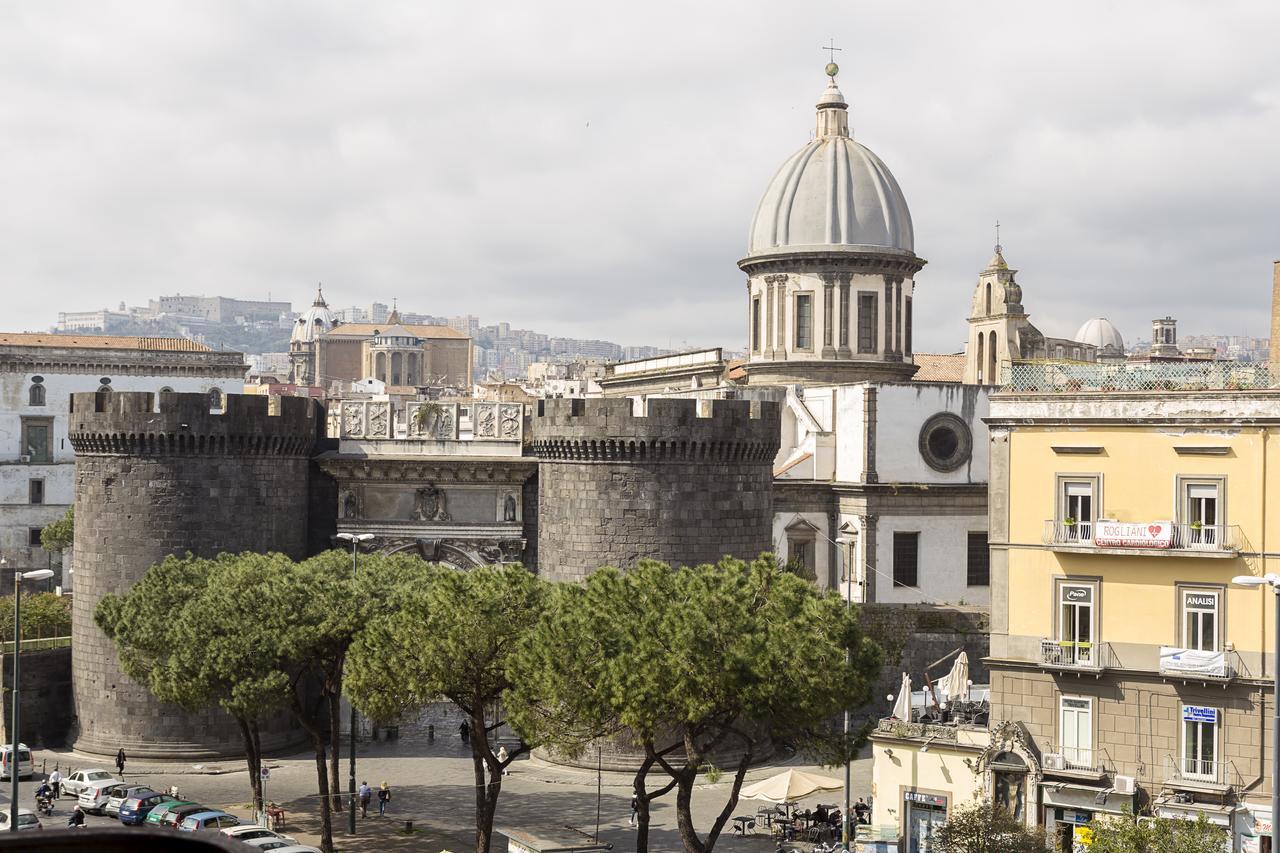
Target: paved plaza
432,784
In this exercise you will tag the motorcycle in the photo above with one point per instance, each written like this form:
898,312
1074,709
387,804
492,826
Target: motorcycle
44,804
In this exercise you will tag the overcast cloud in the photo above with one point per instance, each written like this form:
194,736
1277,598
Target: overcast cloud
590,169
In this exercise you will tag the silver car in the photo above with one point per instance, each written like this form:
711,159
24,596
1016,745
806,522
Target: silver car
117,794
81,779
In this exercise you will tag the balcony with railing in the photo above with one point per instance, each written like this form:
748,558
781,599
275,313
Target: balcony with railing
1107,536
1186,773
1075,655
1077,762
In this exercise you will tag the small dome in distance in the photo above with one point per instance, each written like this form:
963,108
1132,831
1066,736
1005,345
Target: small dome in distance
315,322
1100,332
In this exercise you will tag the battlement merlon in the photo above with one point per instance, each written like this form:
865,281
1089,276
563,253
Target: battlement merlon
168,422
662,422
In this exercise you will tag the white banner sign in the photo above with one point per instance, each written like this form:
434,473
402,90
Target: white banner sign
1192,660
1133,534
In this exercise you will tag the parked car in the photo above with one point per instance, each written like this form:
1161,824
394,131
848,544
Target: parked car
253,832
157,814
117,794
174,816
94,795
76,782
25,765
211,819
280,846
27,819
134,810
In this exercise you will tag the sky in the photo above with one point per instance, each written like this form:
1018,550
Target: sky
590,169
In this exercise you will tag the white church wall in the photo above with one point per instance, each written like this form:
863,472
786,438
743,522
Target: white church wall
850,437
942,575
784,521
901,412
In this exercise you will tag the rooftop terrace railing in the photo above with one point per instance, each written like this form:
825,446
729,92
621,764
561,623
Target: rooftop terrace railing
1069,377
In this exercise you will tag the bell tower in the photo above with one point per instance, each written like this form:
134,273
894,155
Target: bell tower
994,320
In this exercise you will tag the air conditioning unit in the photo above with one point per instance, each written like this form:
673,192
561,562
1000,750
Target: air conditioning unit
24,458
1054,761
1124,785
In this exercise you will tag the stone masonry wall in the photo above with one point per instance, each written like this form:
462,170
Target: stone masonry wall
680,483
914,636
150,483
46,697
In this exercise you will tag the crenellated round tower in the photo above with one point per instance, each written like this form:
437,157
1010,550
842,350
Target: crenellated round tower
677,480
166,474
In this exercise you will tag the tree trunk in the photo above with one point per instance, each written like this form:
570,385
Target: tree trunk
335,745
640,784
326,813
253,759
488,776
727,812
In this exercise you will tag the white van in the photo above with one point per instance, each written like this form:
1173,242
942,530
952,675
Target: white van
25,765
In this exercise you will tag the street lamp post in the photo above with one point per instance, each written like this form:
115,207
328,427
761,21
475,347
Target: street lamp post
1272,580
842,542
355,539
14,740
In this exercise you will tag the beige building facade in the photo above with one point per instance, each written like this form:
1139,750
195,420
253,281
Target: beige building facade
1117,522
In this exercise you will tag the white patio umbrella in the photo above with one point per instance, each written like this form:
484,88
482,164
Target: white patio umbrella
955,686
789,785
902,707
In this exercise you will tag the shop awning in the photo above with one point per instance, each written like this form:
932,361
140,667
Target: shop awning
1218,815
1096,798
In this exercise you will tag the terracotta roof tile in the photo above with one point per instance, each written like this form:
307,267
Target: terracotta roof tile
935,367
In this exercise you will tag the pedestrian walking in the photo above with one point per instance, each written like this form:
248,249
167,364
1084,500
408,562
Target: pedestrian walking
465,732
635,809
366,795
384,797
120,762
55,782
502,757
862,811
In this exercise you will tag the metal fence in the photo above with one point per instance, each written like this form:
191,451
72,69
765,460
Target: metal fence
1064,377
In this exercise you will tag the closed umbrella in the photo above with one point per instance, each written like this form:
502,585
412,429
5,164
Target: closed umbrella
902,707
789,785
957,681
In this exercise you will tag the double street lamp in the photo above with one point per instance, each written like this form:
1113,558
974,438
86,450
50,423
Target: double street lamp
355,539
1272,580
842,542
14,740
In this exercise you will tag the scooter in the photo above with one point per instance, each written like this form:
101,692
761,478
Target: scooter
44,805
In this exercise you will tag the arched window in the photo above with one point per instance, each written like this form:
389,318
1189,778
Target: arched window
992,361
982,364
166,390
988,310
36,395
104,389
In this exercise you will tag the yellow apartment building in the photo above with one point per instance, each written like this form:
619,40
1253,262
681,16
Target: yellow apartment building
1124,499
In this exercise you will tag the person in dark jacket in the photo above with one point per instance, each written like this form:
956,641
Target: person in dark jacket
384,797
120,762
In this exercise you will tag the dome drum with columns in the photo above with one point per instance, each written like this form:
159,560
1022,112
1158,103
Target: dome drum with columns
831,263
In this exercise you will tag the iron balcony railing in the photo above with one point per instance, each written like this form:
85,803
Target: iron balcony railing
1178,537
1078,759
1188,769
1071,377
1074,654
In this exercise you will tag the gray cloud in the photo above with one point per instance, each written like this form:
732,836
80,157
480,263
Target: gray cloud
591,168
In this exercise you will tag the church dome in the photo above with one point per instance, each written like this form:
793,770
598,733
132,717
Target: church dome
1100,332
833,194
317,320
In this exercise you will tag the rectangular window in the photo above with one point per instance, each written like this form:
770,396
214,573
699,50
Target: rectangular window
1200,743
800,553
37,439
844,316
1076,511
866,322
1200,621
979,560
33,537
1075,625
1075,727
1202,513
35,491
755,324
906,559
804,321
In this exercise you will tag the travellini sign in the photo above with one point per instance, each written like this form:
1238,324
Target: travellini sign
1127,534
1197,714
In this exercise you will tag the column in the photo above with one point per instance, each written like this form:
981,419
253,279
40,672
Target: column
828,319
844,318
